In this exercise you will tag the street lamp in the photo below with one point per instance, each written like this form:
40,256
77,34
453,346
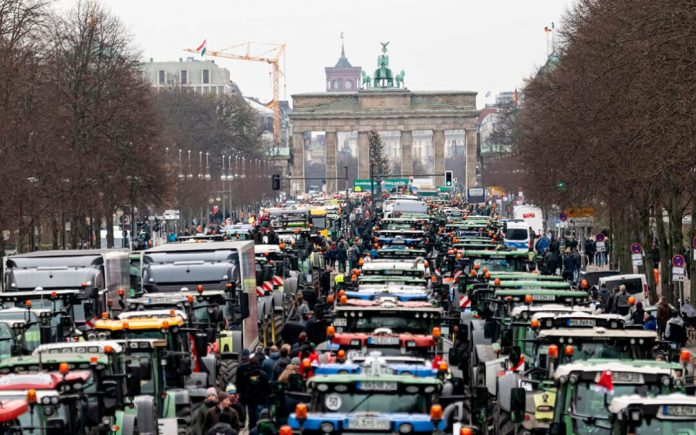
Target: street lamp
207,166
190,172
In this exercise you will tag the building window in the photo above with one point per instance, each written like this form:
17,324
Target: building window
206,76
336,85
161,77
221,90
183,77
348,84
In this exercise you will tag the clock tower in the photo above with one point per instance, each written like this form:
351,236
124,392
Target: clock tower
343,77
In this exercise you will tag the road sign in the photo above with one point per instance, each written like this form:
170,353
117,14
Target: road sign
563,217
693,243
678,274
582,221
637,259
636,248
171,215
601,247
579,212
678,261
599,237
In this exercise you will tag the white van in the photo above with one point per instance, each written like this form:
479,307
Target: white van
517,235
636,285
532,215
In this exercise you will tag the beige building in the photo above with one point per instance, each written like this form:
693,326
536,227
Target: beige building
202,76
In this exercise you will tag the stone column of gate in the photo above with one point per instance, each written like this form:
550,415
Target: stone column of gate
363,155
439,156
330,161
406,142
471,157
297,163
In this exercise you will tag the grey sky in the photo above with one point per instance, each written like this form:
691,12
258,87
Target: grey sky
477,45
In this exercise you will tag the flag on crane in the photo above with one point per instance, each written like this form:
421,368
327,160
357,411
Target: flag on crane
201,48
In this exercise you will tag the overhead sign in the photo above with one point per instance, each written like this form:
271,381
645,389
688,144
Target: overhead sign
390,183
636,248
476,194
580,212
171,215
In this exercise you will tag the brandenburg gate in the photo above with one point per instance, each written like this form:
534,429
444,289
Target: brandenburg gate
382,105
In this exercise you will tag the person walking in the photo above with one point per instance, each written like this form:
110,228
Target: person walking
270,362
341,255
224,406
638,315
258,391
211,400
664,312
675,331
622,305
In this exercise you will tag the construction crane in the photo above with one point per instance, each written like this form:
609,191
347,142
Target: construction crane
258,52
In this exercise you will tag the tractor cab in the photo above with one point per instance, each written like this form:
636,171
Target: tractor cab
585,389
667,414
387,325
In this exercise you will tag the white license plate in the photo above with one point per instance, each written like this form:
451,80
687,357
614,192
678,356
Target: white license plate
679,411
368,424
581,322
340,322
378,386
385,341
543,297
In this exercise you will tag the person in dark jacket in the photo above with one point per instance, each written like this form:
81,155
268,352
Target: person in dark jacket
341,255
649,322
224,427
211,400
212,417
638,315
675,331
282,362
270,362
258,391
241,373
664,312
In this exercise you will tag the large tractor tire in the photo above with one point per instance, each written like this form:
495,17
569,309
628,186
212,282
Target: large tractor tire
129,426
184,419
228,373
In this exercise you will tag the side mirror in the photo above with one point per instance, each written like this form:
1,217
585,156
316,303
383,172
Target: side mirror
244,304
518,403
111,396
506,339
488,329
133,383
200,340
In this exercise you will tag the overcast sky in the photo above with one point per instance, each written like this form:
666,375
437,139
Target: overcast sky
473,45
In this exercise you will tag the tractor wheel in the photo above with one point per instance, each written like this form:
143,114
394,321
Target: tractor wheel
184,419
129,425
228,373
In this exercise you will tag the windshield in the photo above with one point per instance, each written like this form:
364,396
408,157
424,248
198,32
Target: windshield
391,403
499,265
319,222
658,426
516,234
589,403
396,322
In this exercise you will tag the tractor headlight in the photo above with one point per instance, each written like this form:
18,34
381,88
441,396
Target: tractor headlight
406,428
327,427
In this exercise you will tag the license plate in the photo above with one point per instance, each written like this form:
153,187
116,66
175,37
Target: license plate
340,322
398,241
377,386
581,322
393,272
679,411
368,424
543,297
626,377
384,341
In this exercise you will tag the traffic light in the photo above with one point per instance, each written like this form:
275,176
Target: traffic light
448,178
276,182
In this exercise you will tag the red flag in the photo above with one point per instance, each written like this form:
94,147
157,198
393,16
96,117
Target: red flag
605,384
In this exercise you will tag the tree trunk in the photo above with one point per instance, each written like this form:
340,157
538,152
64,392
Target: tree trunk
109,227
665,257
692,251
55,233
647,257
